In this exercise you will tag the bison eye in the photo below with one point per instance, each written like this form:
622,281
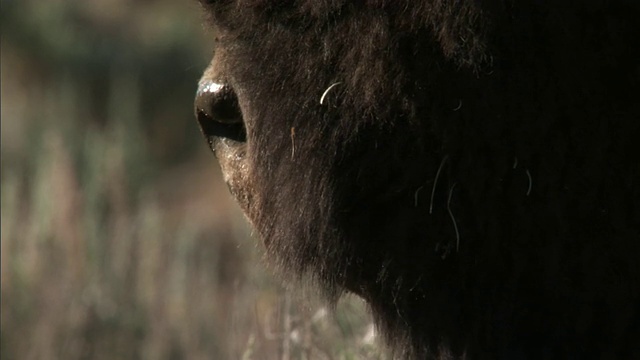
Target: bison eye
218,113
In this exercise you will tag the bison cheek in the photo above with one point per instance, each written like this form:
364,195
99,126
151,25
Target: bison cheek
232,157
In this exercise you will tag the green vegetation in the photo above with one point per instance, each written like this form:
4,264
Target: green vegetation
118,239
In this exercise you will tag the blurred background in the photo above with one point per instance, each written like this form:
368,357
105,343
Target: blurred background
119,239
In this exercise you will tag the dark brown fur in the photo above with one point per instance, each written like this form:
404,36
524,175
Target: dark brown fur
529,247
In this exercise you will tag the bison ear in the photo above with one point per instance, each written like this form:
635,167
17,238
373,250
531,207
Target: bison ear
218,112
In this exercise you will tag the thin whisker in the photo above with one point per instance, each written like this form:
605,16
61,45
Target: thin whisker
435,182
324,94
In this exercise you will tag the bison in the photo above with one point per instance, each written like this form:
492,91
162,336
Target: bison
470,168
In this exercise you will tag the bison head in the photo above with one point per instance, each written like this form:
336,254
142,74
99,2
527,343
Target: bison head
470,168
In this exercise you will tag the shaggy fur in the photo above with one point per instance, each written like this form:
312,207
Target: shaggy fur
473,173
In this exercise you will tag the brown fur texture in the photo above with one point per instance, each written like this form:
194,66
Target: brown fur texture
473,173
